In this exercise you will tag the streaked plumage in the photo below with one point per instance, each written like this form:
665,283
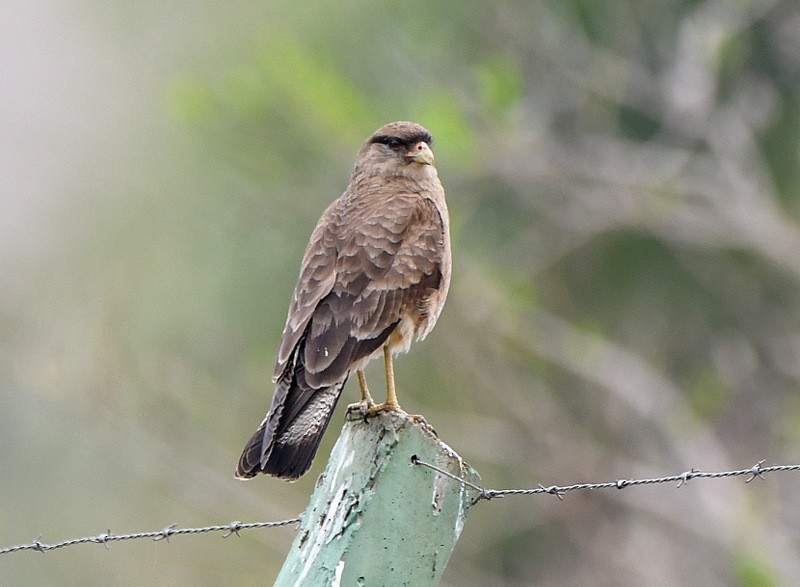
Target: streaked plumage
374,277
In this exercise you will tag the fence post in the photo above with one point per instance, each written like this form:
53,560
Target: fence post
374,517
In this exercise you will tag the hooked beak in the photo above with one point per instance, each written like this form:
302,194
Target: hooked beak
421,153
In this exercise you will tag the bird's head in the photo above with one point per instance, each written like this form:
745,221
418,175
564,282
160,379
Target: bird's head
398,149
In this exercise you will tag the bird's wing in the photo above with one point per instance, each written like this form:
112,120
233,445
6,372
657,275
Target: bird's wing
317,278
389,257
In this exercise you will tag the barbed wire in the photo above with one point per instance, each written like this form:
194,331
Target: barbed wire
165,534
757,470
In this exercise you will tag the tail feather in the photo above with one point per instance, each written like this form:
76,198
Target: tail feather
286,447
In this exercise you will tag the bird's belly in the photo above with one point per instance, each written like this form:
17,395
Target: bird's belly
403,335
414,326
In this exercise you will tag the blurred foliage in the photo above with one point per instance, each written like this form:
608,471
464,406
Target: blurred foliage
752,572
624,188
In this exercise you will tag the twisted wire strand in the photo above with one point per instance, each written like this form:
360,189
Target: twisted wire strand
164,534
757,470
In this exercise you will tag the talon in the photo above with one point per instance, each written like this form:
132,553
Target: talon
359,410
386,406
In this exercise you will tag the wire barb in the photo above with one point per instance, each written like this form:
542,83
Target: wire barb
166,533
233,529
553,490
103,538
755,471
684,477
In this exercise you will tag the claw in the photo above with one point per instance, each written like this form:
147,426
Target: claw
359,410
374,410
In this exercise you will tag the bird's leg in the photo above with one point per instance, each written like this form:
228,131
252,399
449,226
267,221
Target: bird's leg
366,402
391,404
391,394
362,385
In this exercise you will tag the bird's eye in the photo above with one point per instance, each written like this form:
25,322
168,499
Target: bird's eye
394,143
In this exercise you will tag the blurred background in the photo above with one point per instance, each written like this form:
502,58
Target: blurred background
624,188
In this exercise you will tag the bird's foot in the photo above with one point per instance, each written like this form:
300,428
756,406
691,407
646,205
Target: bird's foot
376,409
388,407
360,410
366,409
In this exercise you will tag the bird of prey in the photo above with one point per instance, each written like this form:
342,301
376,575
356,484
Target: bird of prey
373,279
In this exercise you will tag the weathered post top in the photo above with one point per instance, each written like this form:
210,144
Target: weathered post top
375,518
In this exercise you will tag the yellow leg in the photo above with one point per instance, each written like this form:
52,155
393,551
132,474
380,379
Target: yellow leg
362,385
361,409
391,404
391,394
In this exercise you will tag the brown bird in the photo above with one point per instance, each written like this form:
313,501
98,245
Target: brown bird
373,279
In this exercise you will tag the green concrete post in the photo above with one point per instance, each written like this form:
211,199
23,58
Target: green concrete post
374,517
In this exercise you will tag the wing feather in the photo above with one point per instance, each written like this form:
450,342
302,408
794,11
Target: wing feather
386,265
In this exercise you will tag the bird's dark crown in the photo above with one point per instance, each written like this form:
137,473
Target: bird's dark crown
404,134
406,141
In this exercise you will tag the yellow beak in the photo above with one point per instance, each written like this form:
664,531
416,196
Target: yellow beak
421,153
